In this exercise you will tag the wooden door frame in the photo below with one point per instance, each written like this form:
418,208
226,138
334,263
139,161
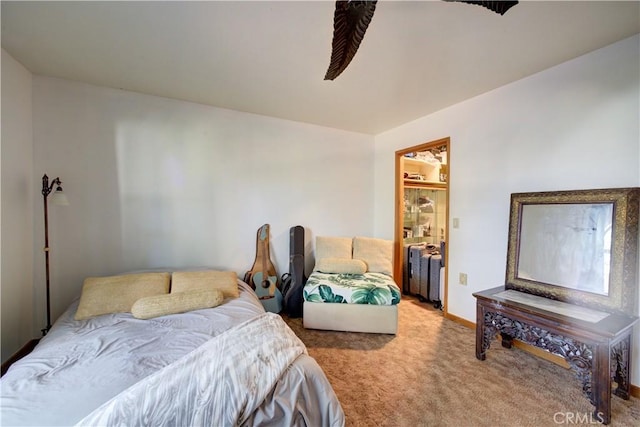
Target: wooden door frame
399,212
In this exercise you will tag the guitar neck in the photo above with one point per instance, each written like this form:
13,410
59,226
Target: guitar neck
263,248
265,256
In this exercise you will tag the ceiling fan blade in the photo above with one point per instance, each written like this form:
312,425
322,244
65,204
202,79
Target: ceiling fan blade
500,7
352,18
350,22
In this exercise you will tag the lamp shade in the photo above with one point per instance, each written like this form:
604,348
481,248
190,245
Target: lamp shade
58,197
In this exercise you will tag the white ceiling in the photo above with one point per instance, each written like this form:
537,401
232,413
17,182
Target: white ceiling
269,57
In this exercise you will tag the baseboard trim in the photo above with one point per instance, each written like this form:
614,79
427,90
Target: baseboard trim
635,390
26,349
460,320
541,353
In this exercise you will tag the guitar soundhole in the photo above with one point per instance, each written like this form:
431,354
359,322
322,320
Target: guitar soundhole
265,284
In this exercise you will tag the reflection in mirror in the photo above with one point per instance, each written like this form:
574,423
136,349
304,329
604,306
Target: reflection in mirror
566,245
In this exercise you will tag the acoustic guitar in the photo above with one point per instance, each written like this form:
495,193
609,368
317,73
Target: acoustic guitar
264,278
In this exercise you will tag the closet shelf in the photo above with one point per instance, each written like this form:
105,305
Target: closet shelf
426,184
411,160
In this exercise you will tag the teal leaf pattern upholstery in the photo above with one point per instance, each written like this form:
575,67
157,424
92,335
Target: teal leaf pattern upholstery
367,288
327,295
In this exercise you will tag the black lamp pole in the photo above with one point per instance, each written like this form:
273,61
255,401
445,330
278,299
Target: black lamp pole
46,189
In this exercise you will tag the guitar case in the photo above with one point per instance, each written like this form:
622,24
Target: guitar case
294,282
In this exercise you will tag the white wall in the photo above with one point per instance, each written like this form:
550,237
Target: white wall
154,182
574,126
18,189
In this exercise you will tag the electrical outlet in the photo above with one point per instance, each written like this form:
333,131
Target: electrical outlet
463,279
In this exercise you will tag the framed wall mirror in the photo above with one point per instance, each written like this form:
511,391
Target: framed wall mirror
579,247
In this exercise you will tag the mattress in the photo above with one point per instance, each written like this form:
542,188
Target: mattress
80,367
367,288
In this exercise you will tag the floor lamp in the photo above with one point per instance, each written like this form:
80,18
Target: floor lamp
58,198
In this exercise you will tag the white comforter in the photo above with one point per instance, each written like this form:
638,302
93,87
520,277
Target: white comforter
80,366
219,383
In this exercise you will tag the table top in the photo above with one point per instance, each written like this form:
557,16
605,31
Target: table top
585,318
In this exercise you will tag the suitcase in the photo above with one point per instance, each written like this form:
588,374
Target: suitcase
425,274
415,255
435,266
443,247
406,267
441,303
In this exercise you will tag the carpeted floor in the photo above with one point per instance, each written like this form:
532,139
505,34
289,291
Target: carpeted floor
428,375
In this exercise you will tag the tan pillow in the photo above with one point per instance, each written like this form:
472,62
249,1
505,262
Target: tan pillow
226,281
181,302
376,253
341,265
116,294
333,247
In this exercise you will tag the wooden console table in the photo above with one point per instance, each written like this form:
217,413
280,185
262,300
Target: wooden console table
595,344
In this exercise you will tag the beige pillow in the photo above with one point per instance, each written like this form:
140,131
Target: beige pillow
181,302
226,281
376,253
333,247
117,294
341,265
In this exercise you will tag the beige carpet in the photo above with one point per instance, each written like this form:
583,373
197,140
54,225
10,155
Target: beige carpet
428,375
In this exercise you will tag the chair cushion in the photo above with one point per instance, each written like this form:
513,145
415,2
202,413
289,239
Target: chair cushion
340,265
376,253
333,247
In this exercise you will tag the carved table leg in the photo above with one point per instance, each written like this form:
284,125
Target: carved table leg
601,387
620,367
506,340
481,350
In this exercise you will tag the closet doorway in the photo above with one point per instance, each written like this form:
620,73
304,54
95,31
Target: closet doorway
422,215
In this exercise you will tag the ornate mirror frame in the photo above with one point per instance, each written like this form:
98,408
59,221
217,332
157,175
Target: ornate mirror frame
622,293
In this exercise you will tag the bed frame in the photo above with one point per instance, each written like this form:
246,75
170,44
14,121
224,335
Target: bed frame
381,319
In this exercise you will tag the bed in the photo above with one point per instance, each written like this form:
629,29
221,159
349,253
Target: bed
351,288
232,364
